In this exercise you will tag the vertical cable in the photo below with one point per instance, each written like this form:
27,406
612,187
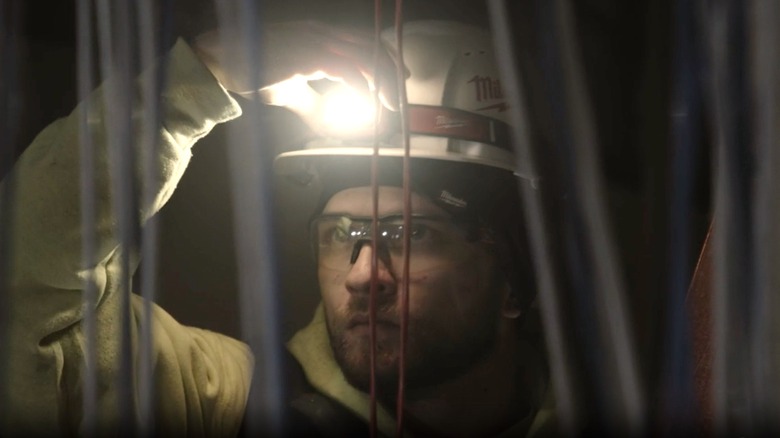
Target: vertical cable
88,216
10,23
678,385
251,170
151,44
150,232
766,212
115,57
378,48
616,395
733,265
407,214
10,17
626,401
715,19
549,290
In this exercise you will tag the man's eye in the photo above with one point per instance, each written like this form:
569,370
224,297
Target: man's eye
420,232
333,235
340,235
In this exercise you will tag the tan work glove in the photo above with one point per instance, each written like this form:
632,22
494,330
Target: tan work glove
295,54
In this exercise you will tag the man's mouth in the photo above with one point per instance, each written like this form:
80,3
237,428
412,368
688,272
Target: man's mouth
362,320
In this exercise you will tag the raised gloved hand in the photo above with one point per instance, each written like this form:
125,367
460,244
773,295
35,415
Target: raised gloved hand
301,51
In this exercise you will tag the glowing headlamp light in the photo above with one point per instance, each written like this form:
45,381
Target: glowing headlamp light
339,111
346,112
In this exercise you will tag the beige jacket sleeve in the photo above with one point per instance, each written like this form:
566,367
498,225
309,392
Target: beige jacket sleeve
201,377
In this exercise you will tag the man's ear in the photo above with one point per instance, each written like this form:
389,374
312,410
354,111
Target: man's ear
510,307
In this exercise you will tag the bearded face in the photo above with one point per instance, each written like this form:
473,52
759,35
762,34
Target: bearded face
454,306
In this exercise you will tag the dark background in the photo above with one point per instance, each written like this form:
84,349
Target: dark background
625,49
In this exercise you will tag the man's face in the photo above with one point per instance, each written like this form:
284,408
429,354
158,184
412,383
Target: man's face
454,302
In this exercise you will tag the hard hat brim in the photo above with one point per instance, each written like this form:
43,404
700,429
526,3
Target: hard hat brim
290,162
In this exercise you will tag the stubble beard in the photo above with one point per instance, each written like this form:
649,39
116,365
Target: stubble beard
435,354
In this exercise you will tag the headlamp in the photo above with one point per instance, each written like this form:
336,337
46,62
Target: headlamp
344,112
340,111
330,107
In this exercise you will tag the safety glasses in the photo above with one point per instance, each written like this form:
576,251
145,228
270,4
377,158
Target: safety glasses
337,240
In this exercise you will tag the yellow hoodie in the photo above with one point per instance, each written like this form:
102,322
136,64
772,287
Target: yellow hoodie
311,347
201,377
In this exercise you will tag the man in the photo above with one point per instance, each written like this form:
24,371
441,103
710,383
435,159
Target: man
469,373
469,368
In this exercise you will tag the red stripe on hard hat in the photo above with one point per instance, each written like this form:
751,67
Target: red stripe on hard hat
454,123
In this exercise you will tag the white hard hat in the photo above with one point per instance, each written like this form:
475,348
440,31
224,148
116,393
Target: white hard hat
457,109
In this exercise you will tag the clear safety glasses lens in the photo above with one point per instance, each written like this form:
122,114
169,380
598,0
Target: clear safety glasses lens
435,242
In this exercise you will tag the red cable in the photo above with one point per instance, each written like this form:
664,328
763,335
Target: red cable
375,218
407,213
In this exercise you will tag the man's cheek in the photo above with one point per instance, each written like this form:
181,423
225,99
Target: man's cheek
333,293
433,294
330,276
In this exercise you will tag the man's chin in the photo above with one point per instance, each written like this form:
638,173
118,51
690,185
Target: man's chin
360,378
386,381
354,359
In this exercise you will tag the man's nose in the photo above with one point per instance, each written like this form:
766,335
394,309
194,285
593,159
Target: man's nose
358,278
